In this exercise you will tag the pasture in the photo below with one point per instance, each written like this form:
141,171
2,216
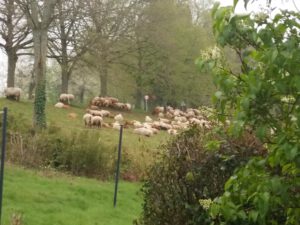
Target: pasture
47,197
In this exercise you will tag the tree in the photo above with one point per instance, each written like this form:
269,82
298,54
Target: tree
15,35
264,98
39,17
68,37
166,42
112,22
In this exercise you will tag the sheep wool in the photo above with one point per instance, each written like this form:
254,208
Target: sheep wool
13,93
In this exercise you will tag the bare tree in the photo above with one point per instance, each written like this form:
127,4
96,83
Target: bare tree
39,16
112,22
68,39
15,35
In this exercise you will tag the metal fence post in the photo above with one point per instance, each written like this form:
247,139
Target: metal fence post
4,123
118,166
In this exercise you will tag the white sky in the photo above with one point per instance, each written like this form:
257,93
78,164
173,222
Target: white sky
279,4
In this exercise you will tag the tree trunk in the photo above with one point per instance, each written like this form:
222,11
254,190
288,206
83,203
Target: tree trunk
138,98
12,61
31,86
103,80
81,93
65,75
40,40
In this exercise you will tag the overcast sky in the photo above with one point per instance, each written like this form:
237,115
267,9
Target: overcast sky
279,4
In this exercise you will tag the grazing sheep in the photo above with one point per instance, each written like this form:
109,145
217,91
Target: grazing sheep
94,107
105,113
161,115
87,118
137,124
116,125
157,110
128,106
13,93
97,121
143,131
119,118
66,98
164,120
59,105
95,112
148,119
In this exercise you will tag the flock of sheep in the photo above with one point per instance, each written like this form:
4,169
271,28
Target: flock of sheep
168,118
109,102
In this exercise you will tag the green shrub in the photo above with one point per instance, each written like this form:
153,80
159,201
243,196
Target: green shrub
181,184
80,153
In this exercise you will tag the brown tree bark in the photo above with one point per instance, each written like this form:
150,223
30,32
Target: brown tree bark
12,59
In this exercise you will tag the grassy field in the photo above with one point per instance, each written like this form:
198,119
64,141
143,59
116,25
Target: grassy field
60,118
47,197
138,148
51,198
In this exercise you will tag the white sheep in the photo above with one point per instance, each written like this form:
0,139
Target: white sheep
148,119
143,131
116,125
13,93
97,121
105,113
66,98
137,124
119,118
59,105
87,118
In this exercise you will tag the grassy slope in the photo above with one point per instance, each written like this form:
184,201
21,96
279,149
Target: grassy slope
134,145
66,200
48,198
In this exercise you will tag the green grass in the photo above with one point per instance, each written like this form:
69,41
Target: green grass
138,148
59,118
51,198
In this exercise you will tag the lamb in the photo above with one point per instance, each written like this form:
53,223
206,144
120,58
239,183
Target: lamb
13,93
87,118
96,121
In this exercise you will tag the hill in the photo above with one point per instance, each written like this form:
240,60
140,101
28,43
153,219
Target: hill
47,197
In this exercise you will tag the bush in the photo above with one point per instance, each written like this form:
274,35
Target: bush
180,186
80,153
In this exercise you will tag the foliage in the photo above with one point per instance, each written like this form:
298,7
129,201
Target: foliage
80,153
264,98
191,171
39,120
